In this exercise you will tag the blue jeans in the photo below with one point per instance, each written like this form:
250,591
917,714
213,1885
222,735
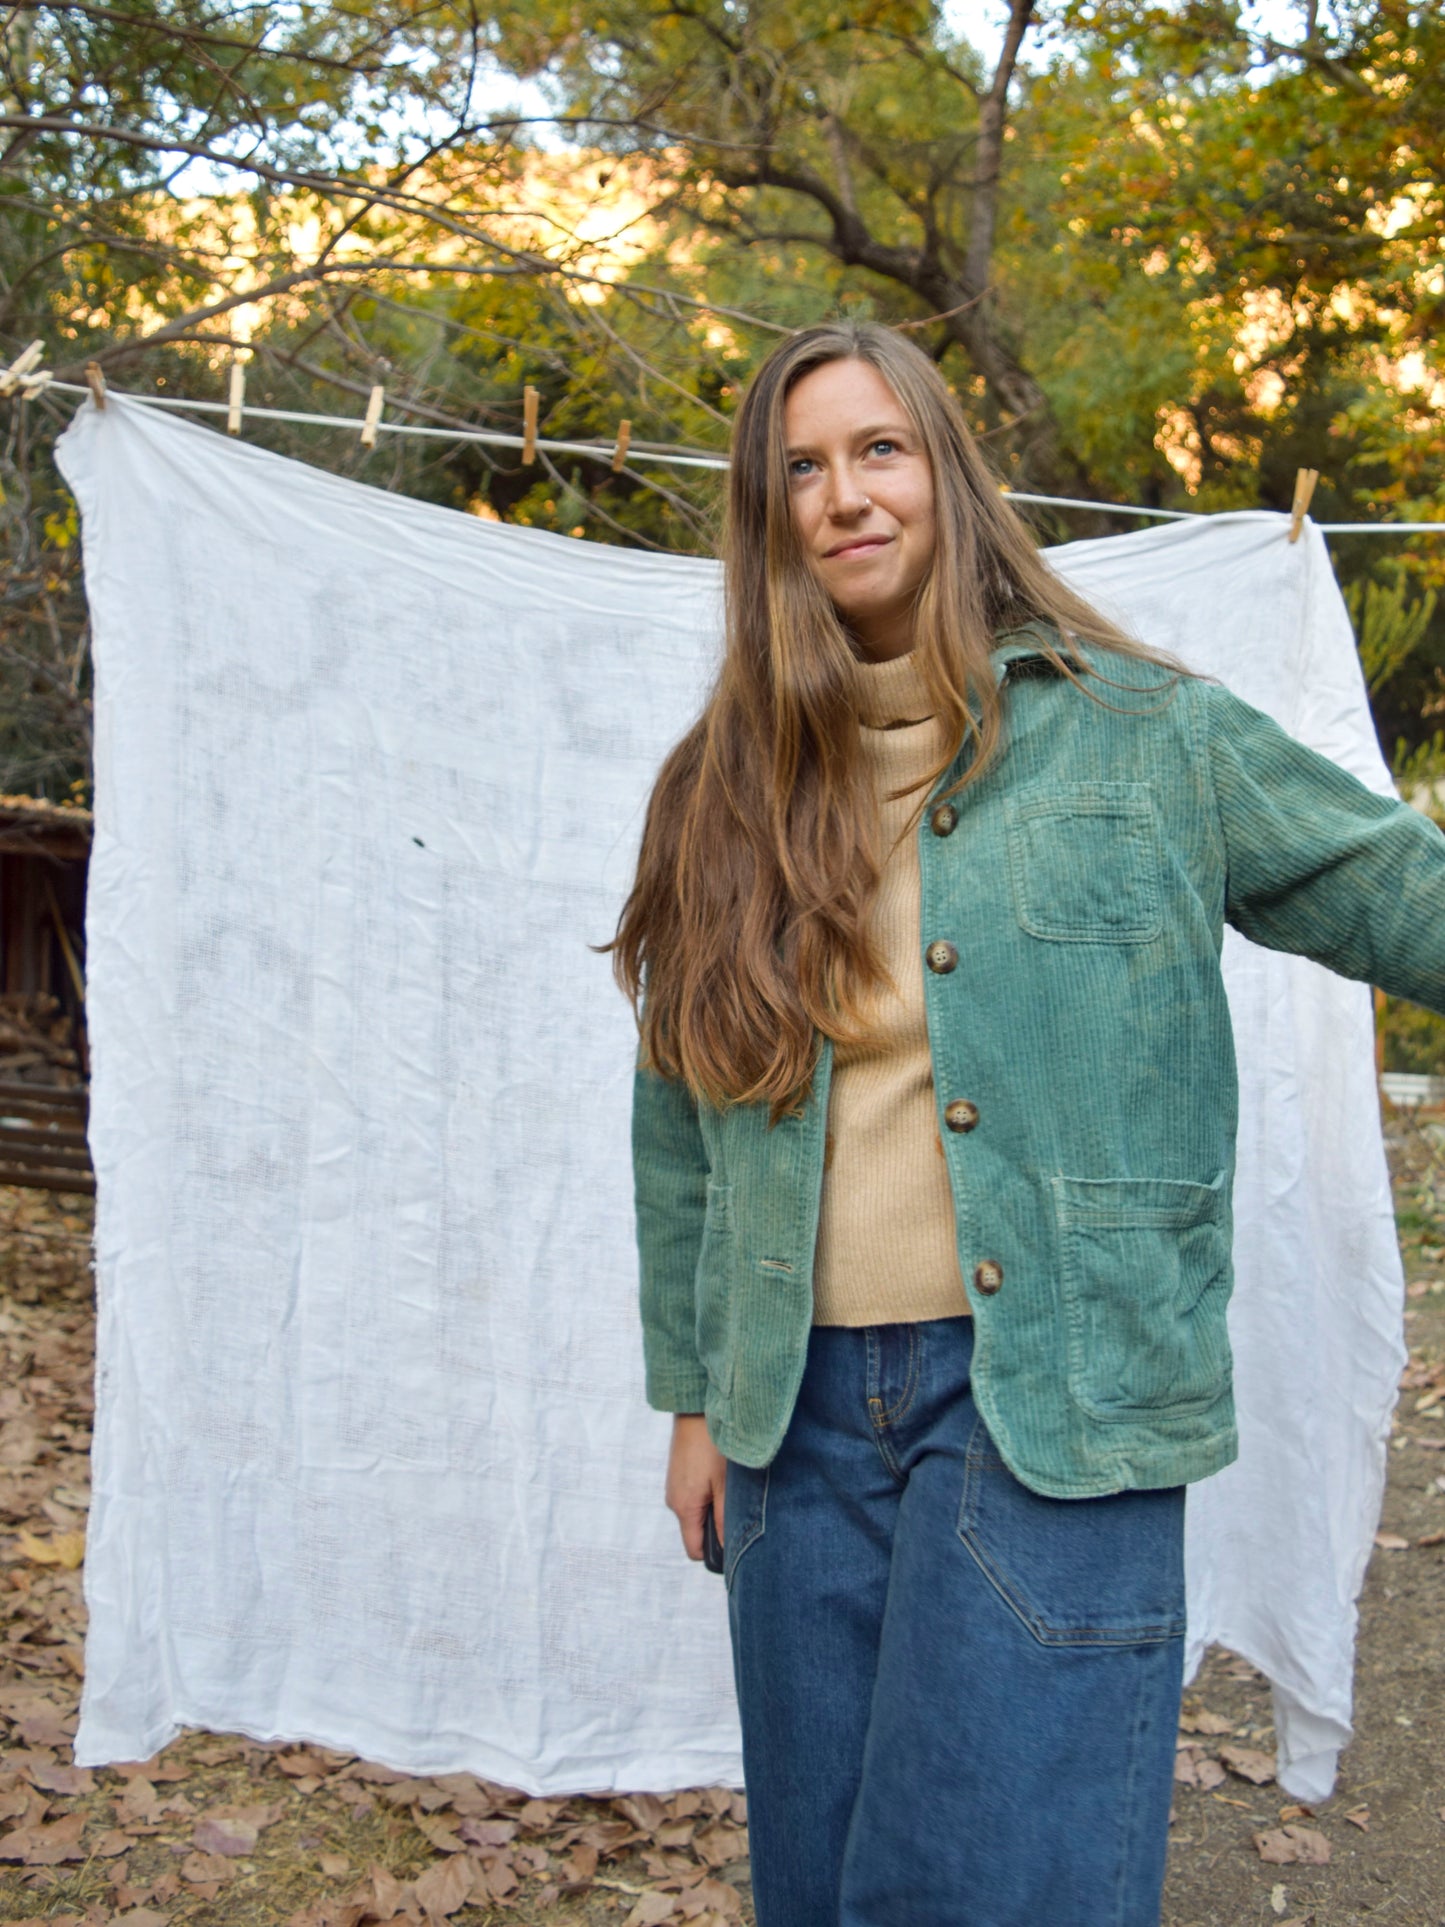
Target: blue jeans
959,1700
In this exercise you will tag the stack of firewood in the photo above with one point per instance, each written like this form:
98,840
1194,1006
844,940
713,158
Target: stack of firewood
38,1041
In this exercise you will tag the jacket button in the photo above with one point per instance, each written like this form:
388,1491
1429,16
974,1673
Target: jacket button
944,820
941,957
961,1114
987,1277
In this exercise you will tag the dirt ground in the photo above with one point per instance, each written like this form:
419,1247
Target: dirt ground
221,1832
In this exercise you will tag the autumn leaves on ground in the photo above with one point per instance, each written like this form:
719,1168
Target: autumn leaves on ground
222,1832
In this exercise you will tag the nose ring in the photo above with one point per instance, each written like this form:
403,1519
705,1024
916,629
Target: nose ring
867,502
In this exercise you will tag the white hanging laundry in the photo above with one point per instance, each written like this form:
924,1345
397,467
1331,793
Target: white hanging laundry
372,1462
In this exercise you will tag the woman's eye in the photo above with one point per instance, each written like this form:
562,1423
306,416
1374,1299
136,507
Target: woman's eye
800,467
883,447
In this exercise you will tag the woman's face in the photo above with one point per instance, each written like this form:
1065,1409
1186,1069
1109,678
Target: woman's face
862,496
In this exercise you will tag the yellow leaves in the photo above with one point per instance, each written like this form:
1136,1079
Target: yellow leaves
62,525
65,1549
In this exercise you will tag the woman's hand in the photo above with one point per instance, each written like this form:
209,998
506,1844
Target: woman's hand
696,1479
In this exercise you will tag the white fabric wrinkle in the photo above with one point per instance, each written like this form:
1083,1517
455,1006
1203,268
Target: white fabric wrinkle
372,1464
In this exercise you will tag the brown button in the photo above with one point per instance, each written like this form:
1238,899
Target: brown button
941,957
987,1277
961,1114
944,820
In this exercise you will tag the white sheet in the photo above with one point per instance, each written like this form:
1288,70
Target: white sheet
372,1462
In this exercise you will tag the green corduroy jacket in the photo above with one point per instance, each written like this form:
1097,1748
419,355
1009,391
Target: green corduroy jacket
1073,907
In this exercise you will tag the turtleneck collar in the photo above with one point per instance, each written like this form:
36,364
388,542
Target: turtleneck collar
887,693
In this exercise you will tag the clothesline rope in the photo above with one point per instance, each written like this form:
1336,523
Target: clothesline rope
677,458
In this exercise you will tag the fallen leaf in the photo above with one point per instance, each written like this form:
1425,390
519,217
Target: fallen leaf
142,1917
61,1779
1391,1542
65,1549
581,1863
42,1845
444,1888
205,1868
441,1831
47,1729
716,1895
23,1804
644,1810
488,1833
1249,1764
1432,1539
651,1908
497,1876
719,1843
537,1814
389,1894
1291,1846
1359,1817
334,1865
225,1834
218,1755
1199,1719
1276,1900
139,1805
1296,1812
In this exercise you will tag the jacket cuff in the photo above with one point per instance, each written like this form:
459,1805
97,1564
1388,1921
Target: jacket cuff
676,1389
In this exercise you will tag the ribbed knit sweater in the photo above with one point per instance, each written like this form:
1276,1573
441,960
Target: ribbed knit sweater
886,1246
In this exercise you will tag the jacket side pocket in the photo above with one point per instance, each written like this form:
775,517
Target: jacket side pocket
1146,1276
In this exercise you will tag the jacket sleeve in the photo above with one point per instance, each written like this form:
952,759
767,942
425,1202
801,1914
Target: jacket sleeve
1322,866
670,1172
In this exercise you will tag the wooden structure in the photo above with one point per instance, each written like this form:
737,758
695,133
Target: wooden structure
44,1058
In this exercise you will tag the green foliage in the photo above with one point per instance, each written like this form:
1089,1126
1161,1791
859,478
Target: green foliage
1389,625
1414,1039
1183,250
1419,771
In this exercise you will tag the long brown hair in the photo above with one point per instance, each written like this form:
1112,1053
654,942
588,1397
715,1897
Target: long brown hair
746,933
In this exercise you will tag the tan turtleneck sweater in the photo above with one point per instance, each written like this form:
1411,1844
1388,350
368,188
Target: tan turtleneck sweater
886,1245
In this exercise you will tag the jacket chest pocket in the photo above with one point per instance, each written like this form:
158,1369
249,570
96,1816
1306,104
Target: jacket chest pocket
1086,863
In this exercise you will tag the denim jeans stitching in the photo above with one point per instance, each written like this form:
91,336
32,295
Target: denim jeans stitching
751,1533
878,1419
910,1383
1121,1891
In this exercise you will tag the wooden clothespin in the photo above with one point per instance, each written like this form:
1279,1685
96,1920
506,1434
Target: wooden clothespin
13,377
96,381
373,416
624,436
1304,488
530,398
236,402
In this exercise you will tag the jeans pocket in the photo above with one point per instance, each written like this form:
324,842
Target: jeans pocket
1077,1572
745,1516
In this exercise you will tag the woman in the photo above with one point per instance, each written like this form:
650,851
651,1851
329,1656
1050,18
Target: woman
933,1139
